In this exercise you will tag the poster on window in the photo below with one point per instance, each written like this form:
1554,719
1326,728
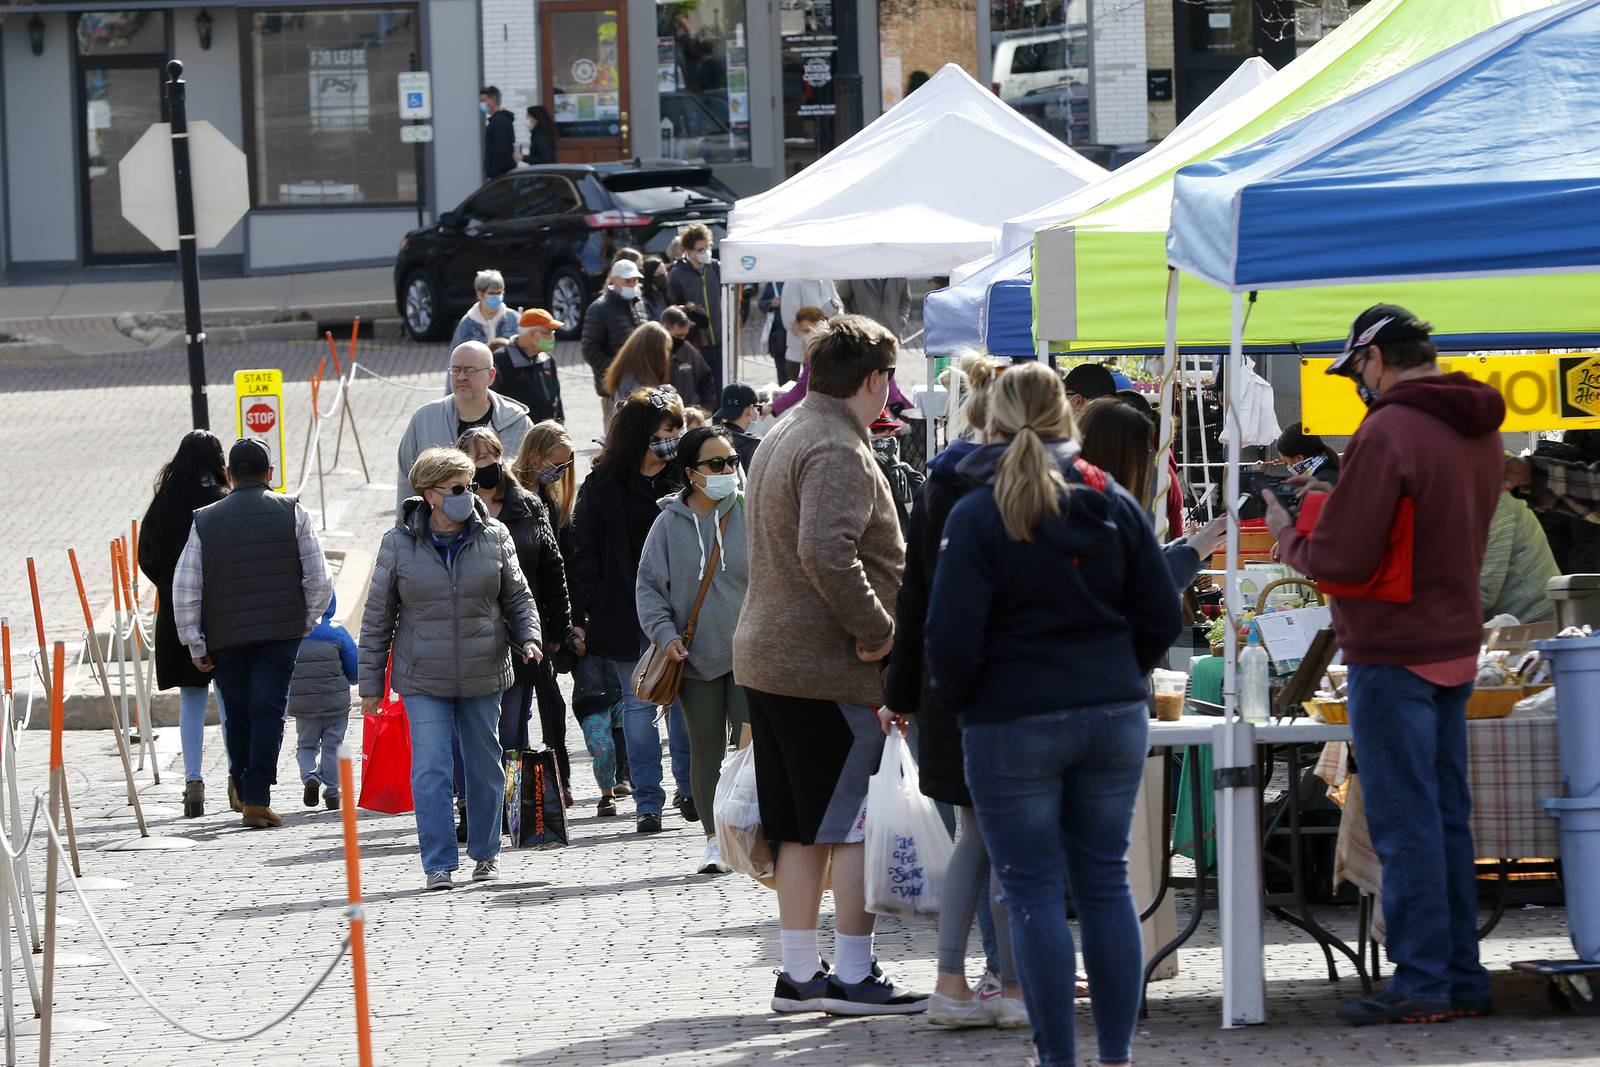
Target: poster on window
738,88
666,65
812,55
339,90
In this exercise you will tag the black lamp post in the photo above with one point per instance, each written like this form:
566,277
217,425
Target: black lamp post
36,35
202,27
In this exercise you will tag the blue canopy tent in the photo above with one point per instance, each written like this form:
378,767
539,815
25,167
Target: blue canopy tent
1483,160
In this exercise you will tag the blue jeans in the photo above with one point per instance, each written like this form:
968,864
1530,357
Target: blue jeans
678,749
1411,753
254,681
644,744
434,721
192,727
316,751
1054,795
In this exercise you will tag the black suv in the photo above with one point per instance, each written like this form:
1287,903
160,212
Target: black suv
553,231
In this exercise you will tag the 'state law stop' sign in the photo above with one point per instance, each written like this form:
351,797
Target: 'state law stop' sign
258,396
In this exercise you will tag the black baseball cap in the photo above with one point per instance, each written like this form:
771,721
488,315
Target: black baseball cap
1376,325
249,457
1091,381
736,396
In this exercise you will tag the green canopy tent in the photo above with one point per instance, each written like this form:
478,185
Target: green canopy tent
1100,278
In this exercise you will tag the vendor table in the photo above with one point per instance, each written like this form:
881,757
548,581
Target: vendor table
1512,765
1196,734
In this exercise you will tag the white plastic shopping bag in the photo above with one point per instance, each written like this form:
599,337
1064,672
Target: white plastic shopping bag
907,845
737,814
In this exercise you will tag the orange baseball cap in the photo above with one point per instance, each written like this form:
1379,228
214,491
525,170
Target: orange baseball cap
541,318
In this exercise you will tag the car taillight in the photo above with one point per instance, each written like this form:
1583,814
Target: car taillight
608,220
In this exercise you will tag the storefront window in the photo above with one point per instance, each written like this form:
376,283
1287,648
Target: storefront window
325,109
1041,62
703,78
1221,27
116,33
810,51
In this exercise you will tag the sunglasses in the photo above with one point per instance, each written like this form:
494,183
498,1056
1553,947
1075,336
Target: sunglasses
662,397
720,464
456,490
467,372
887,371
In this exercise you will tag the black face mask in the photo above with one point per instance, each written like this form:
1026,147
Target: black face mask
887,448
488,477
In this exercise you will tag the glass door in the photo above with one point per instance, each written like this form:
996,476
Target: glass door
120,76
584,69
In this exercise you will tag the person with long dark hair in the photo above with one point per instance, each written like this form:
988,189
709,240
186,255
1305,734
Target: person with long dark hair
195,477
616,509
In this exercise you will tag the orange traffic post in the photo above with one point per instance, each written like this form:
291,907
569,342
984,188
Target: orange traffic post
143,712
58,799
5,650
358,944
38,627
105,686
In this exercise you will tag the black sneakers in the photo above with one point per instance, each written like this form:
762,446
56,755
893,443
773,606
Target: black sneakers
791,996
1471,1007
1388,1007
686,808
648,823
875,994
309,796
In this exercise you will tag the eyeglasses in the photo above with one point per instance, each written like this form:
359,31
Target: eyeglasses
662,396
466,372
1073,394
720,464
456,490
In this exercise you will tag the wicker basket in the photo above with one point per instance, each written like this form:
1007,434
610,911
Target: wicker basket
1333,711
1493,702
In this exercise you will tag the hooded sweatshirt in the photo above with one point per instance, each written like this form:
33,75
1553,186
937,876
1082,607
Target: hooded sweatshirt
676,555
1076,617
324,671
1435,440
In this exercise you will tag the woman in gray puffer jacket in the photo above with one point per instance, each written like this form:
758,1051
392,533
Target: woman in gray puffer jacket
450,602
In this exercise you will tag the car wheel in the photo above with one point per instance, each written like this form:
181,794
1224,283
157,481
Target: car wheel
423,317
568,300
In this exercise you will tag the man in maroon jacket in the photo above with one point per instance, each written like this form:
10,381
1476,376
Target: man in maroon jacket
1434,439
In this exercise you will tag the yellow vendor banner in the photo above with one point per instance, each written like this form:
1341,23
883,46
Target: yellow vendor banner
1542,392
259,401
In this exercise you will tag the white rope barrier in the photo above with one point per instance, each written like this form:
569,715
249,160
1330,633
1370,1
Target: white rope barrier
138,987
369,372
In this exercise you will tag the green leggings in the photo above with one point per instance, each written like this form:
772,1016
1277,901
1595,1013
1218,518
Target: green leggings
708,709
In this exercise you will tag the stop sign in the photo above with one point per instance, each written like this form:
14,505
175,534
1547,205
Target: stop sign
149,196
260,418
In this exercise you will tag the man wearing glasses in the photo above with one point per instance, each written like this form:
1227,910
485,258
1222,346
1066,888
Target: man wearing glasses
440,423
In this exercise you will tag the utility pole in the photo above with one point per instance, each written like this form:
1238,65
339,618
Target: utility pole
188,253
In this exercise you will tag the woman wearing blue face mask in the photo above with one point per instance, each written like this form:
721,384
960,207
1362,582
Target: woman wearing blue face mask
700,531
489,317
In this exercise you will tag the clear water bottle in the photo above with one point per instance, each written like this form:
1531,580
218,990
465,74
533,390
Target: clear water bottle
1253,679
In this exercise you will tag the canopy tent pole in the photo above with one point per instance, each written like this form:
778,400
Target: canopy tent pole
730,337
1169,370
1238,800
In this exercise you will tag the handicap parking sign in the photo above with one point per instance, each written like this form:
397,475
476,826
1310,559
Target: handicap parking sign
413,100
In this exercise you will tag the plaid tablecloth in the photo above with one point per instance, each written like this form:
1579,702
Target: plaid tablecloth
1512,765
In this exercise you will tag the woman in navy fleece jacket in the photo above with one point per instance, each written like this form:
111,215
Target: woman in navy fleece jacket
1050,606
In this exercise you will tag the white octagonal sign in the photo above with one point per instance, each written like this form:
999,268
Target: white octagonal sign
149,196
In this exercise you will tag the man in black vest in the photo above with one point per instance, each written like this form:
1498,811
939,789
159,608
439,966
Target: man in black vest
250,584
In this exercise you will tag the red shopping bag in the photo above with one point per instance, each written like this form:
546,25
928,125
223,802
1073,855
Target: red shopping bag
386,757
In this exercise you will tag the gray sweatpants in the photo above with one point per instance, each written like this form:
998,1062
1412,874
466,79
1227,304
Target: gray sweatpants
965,881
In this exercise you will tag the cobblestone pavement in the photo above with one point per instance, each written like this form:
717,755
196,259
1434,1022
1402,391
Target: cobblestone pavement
609,951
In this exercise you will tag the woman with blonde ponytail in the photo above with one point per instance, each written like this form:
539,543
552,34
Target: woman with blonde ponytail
1050,606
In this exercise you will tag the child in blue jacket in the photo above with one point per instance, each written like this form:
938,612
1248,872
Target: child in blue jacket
319,701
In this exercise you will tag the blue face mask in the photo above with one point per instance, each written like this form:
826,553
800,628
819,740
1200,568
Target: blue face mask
494,302
483,107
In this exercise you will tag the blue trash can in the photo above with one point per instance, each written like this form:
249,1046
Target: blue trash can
1577,664
1580,869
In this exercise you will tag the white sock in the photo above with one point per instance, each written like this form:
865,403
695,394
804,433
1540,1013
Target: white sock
801,959
852,957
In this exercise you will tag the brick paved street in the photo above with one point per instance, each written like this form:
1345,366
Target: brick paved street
609,951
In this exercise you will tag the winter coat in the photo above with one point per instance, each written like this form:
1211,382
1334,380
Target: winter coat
162,535
703,289
612,519
744,445
499,144
1076,617
437,425
825,560
536,384
940,762
1517,564
540,150
607,325
886,301
1436,441
528,520
802,293
670,572
324,671
474,327
692,378
451,630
